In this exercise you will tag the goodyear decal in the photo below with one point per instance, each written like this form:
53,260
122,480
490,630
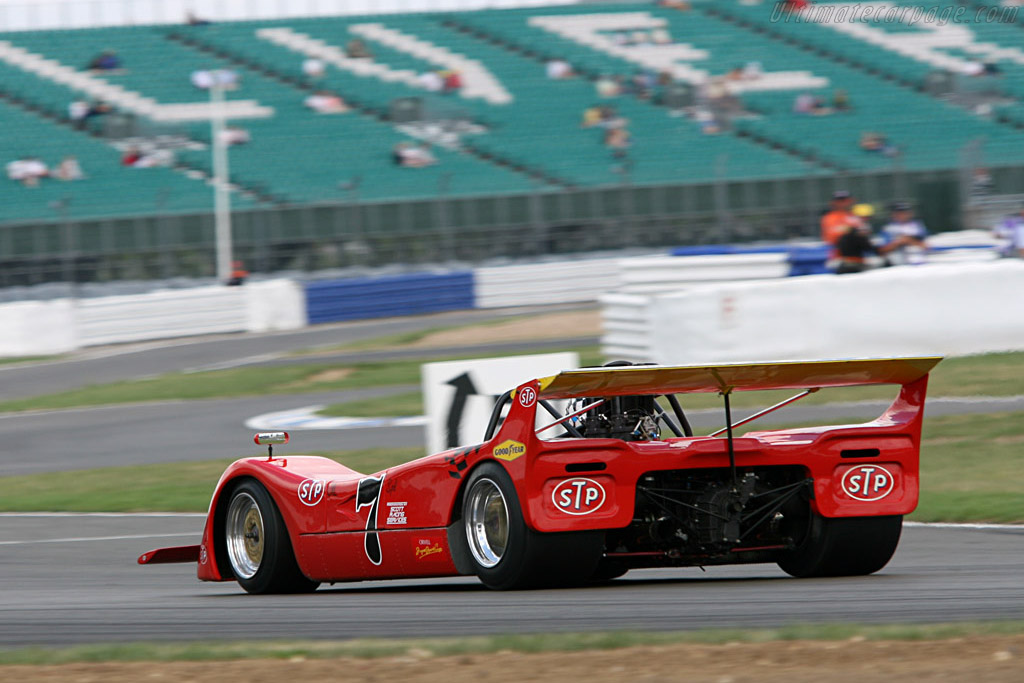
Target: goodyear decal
509,450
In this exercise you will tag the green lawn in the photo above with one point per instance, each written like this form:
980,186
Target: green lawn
175,487
970,471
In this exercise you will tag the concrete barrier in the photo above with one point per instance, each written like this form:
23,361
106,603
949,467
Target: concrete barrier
37,328
953,309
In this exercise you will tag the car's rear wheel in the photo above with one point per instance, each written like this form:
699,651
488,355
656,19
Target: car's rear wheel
844,546
257,544
505,553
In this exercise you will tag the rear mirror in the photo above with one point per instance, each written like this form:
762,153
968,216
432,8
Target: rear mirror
270,438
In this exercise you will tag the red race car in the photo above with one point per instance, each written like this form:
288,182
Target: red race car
581,477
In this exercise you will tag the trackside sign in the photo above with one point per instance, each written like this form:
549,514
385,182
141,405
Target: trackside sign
459,396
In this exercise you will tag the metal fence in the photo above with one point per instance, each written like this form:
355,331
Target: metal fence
468,230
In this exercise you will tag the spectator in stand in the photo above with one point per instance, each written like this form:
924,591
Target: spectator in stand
430,81
592,116
806,103
131,156
326,102
1010,231
841,100
904,236
28,171
414,156
78,110
234,135
356,49
206,79
607,86
81,111
313,69
451,81
794,5
660,36
105,61
558,69
238,274
871,141
617,139
192,20
68,169
839,217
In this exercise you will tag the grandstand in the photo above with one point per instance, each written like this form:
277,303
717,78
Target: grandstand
517,174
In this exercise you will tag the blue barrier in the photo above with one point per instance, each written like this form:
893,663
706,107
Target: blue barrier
383,297
808,260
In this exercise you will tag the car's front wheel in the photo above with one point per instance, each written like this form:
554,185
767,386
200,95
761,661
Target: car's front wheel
257,544
505,553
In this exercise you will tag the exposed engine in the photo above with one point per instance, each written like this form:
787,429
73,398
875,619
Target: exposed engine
696,516
630,418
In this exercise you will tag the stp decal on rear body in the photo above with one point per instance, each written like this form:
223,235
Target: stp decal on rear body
868,482
578,496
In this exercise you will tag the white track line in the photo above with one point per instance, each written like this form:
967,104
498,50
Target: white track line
82,539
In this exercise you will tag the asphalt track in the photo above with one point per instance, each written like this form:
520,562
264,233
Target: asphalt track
73,579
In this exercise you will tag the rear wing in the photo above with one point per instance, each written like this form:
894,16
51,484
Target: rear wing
730,377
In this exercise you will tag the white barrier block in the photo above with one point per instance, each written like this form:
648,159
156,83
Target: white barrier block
272,305
951,309
667,273
545,283
161,315
37,328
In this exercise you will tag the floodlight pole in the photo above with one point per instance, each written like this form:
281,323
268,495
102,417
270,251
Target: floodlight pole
221,196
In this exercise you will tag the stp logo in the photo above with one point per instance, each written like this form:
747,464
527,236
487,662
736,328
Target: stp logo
311,491
527,397
578,496
868,482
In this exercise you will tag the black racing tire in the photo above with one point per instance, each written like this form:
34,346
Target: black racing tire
844,546
505,553
257,546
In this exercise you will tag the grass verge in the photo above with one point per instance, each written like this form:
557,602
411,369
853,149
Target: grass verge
236,382
172,487
530,643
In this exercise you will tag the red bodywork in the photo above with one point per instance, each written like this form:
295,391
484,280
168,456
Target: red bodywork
418,500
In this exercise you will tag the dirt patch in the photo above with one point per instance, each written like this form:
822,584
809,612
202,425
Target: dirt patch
333,375
533,328
995,659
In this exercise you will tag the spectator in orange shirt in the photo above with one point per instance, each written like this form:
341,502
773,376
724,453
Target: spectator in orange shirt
839,217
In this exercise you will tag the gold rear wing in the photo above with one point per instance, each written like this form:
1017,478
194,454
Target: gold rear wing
730,377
